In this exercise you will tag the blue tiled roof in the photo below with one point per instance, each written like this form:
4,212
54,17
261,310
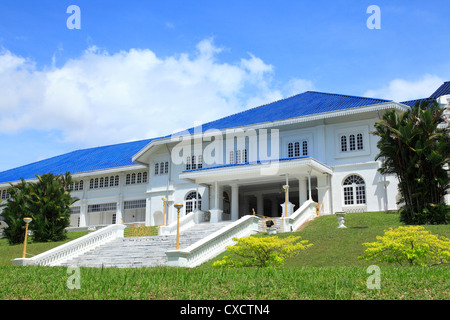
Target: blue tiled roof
303,104
412,103
100,158
441,91
120,155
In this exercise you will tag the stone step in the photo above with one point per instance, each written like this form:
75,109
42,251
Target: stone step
141,251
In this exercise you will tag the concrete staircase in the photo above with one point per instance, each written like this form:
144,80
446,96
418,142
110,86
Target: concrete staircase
133,252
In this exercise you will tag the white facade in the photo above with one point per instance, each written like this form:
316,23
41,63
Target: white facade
228,191
327,157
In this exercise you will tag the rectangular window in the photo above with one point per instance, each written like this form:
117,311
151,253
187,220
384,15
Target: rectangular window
134,204
348,195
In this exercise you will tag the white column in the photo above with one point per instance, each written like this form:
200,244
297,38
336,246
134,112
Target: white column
216,213
148,213
302,186
234,202
83,214
323,193
287,192
309,185
119,207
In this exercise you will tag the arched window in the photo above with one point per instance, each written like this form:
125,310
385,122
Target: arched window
244,156
343,143
188,163
161,168
128,179
139,178
305,148
290,150
352,142
133,178
191,202
157,168
354,190
231,157
166,167
359,141
144,177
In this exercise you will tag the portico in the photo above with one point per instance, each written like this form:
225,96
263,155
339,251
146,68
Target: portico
236,190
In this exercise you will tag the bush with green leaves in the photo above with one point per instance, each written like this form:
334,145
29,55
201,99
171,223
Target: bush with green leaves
412,245
415,147
262,251
46,201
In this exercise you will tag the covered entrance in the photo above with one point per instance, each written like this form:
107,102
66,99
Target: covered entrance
261,188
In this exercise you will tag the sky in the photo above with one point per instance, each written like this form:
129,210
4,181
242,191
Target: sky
117,71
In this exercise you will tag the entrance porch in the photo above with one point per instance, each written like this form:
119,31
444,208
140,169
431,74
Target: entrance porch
243,189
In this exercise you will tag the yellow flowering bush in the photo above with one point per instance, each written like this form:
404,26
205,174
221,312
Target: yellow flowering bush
410,244
262,252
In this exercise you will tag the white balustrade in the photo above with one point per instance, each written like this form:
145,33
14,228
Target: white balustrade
186,222
213,244
306,212
64,252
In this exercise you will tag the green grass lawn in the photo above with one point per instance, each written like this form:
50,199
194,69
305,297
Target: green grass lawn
328,270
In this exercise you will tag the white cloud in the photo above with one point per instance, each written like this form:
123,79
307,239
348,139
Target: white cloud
100,98
404,90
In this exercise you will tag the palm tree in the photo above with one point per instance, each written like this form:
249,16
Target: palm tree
415,148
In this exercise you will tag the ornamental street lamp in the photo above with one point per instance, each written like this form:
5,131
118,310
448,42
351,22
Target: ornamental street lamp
164,210
27,221
178,206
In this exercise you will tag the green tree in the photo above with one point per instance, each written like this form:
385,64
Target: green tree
416,149
46,201
50,203
15,209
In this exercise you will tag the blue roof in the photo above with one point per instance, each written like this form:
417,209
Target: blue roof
441,91
300,105
100,158
120,155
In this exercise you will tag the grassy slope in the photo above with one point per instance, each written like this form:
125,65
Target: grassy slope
328,270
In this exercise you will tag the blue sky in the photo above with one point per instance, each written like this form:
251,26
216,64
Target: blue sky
141,69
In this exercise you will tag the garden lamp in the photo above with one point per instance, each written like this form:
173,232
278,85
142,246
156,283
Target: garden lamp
178,206
27,221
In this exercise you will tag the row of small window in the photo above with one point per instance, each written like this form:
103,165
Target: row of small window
5,194
136,178
75,186
298,149
241,156
162,168
112,206
104,182
352,142
194,162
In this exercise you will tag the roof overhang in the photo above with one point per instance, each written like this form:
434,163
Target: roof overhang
257,172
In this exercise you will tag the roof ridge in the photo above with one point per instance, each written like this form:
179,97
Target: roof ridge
348,95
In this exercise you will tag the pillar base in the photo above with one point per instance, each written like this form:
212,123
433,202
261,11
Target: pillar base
216,215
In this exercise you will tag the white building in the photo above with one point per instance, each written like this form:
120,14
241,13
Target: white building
319,144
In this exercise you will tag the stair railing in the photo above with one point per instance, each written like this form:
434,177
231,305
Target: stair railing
74,248
213,244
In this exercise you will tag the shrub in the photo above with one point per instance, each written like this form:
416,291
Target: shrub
262,252
46,201
411,244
